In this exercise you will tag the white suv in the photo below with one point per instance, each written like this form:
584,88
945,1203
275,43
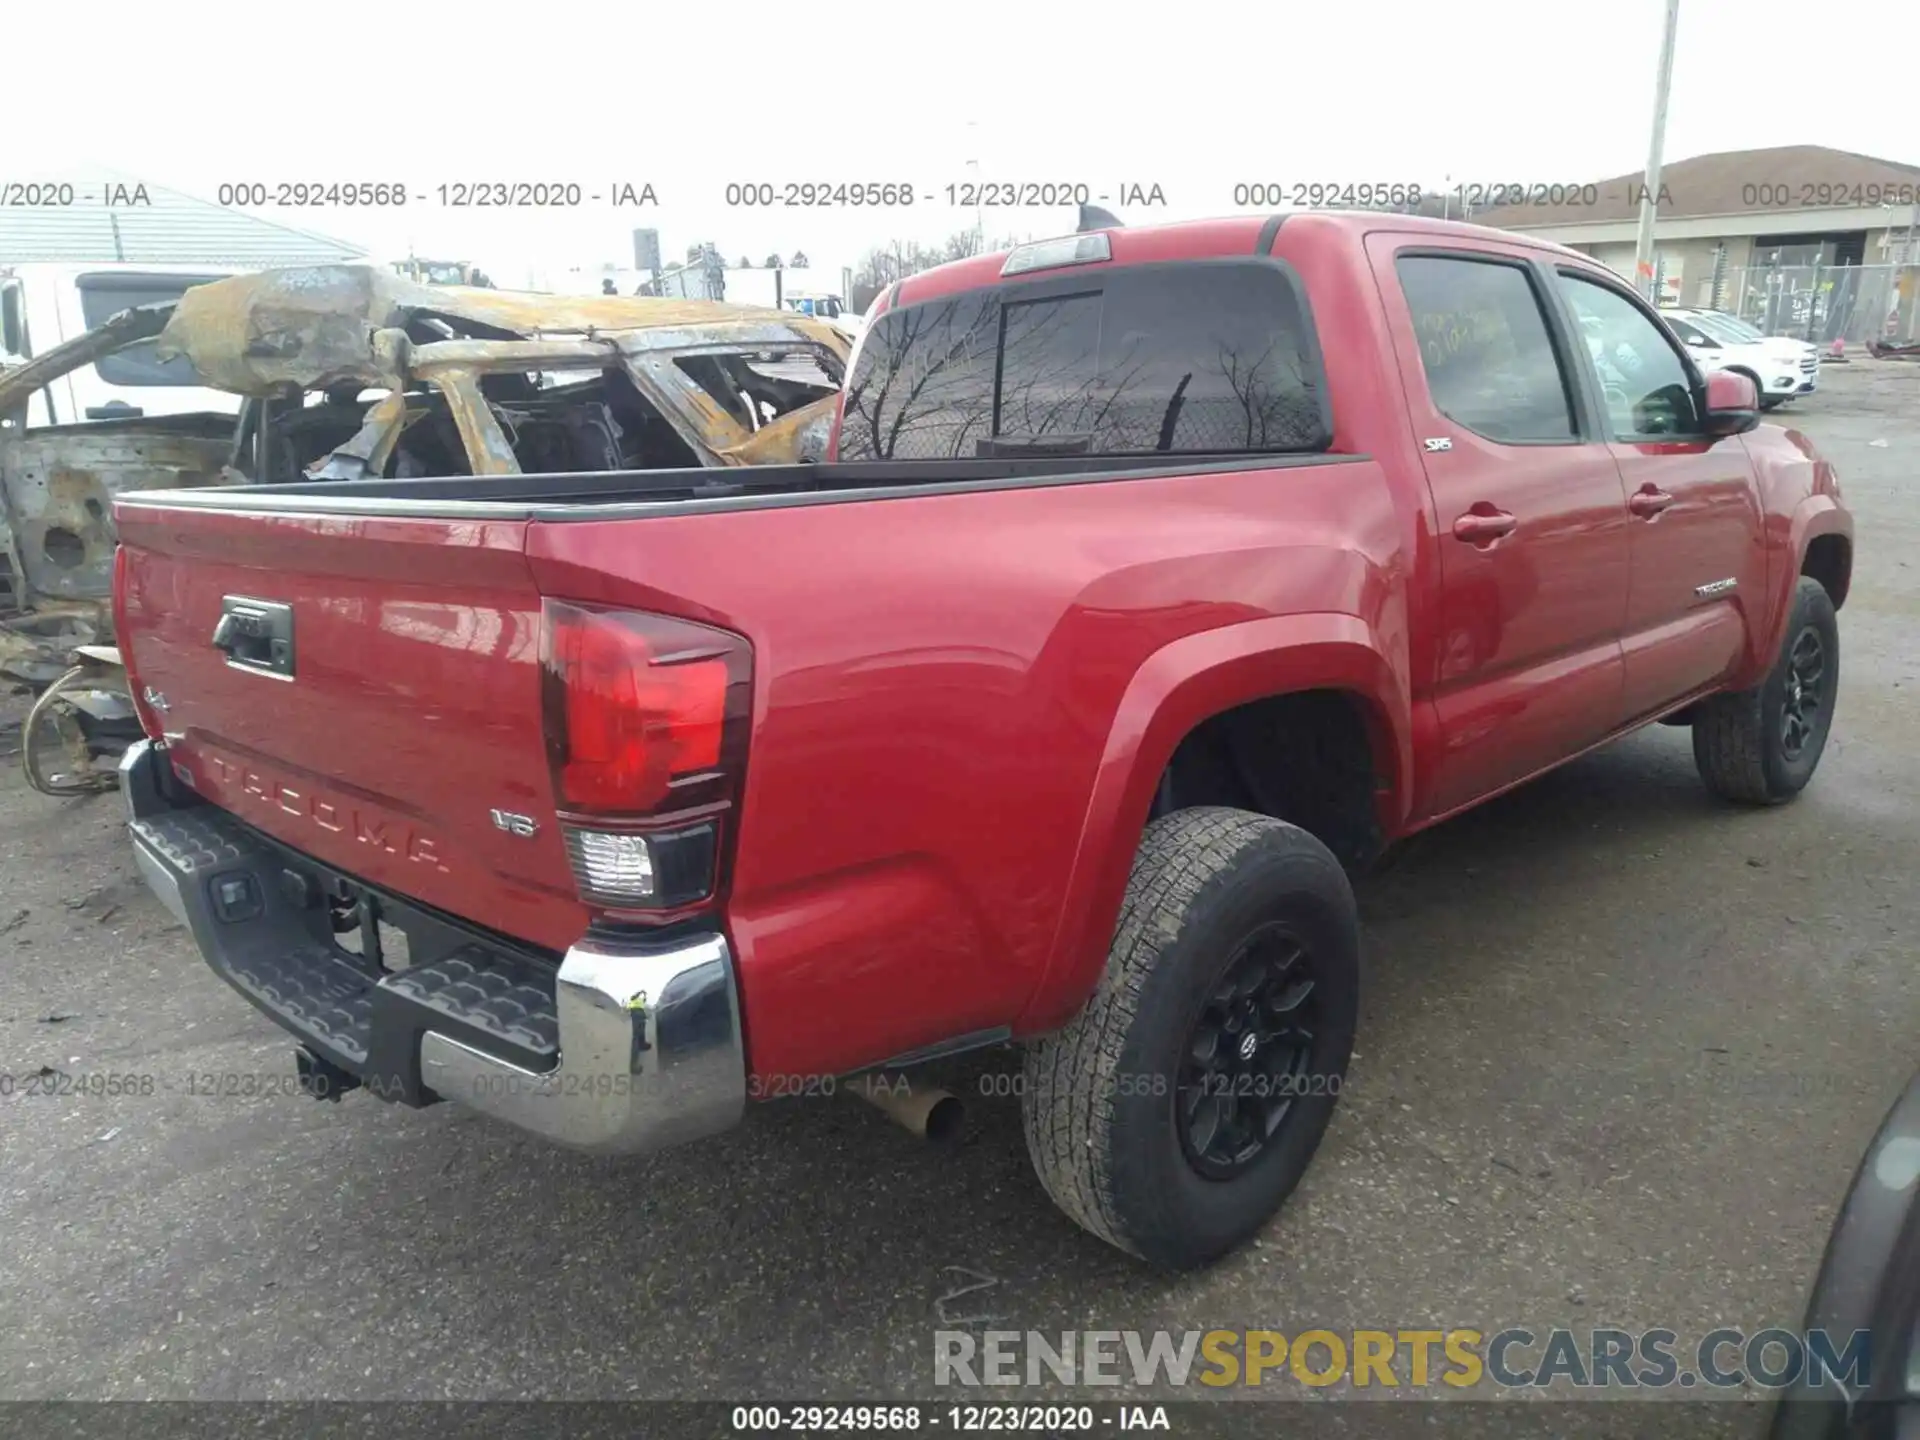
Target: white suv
1782,368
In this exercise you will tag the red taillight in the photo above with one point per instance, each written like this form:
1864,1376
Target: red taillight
631,725
646,720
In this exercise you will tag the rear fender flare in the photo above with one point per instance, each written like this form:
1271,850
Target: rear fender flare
1180,685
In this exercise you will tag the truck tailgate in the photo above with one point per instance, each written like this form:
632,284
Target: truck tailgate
410,711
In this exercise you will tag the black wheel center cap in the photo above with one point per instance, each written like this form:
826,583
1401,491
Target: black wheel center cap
1248,1054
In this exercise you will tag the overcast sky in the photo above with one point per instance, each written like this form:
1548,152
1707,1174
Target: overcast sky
690,97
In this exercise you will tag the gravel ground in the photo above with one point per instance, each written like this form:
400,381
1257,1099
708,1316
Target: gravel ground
1621,1050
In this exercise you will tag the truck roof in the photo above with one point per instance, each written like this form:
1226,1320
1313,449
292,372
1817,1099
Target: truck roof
1208,239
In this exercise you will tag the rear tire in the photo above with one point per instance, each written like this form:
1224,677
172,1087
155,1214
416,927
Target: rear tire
1238,938
1761,746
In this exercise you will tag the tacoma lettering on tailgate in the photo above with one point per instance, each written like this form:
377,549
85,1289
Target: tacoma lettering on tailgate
381,832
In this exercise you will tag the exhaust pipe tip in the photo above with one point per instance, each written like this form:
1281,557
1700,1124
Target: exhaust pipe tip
945,1119
936,1116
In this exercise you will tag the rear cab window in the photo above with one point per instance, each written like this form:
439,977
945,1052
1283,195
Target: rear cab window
1186,358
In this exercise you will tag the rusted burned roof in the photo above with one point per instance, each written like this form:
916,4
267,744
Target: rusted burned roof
317,326
120,331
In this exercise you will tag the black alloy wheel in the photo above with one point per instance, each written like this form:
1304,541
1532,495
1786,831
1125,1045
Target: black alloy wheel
1806,680
1249,1054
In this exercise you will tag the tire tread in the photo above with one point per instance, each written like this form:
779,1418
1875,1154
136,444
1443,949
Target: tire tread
1730,730
1067,1105
1727,743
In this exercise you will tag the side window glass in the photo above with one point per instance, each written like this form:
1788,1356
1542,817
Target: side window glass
1484,345
1647,386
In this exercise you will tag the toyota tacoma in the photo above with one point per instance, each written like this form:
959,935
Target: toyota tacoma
1155,582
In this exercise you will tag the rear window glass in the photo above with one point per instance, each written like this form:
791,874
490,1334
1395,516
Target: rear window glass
1205,359
105,295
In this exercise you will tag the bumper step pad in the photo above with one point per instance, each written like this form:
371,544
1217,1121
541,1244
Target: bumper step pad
368,1022
507,998
313,993
630,1042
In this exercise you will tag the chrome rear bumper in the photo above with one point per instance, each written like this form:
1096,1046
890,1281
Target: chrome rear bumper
632,1043
650,1054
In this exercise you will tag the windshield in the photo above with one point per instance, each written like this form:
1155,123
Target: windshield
1726,327
1213,359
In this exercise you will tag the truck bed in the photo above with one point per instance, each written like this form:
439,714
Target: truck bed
937,685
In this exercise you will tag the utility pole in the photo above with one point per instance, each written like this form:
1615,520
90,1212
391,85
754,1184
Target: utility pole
1643,244
973,168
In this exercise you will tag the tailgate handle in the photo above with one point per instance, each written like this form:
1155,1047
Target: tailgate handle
256,635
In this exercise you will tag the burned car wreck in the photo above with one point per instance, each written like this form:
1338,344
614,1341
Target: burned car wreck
353,372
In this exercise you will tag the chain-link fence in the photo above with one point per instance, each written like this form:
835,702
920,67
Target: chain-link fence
1824,303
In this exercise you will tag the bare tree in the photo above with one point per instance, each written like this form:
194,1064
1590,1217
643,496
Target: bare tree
901,258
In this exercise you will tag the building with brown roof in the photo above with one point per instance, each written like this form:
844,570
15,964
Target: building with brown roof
1726,220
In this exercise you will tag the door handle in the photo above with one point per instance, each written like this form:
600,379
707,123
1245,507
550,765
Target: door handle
256,635
1483,525
1649,501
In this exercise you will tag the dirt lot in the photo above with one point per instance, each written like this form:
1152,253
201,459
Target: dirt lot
1621,1052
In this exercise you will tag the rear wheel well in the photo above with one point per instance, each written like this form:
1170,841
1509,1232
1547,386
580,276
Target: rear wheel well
1829,559
1307,758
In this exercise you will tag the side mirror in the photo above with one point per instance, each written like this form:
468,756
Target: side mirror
1701,342
1733,404
13,322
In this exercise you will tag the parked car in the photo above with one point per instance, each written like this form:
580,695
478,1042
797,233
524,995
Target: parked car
1780,366
1161,578
1866,1300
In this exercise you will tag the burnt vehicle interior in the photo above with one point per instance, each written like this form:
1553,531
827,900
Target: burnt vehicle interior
557,421
599,423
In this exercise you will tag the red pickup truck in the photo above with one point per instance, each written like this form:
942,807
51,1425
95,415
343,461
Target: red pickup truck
1160,579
